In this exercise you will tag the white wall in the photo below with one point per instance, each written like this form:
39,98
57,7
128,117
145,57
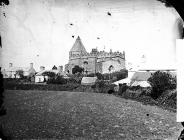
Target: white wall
117,66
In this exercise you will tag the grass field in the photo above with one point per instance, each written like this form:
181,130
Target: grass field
77,115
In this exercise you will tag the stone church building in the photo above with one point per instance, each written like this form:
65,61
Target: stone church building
95,61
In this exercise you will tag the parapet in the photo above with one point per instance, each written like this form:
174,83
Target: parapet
98,54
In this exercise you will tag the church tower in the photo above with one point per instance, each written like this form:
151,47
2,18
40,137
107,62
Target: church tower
78,48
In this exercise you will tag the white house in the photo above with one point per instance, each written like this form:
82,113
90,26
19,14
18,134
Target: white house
11,72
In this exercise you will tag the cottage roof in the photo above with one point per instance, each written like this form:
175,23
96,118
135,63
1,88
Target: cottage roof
42,71
13,69
88,80
122,81
78,46
141,84
126,80
141,76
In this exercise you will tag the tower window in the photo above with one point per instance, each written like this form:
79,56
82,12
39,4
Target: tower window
85,62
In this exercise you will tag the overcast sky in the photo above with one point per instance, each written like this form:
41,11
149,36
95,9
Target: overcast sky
40,31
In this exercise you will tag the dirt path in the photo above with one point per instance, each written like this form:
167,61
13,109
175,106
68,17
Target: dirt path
75,115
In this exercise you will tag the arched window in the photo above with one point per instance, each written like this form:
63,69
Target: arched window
85,67
111,67
85,62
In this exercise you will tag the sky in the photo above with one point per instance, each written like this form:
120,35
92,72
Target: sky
40,31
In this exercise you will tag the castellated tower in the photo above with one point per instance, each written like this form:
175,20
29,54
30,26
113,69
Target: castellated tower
95,61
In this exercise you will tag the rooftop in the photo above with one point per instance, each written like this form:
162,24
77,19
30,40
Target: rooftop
78,46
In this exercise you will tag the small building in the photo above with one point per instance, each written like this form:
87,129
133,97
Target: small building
126,80
88,80
135,78
40,77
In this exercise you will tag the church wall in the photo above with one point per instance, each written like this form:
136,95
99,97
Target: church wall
99,67
91,64
96,61
117,66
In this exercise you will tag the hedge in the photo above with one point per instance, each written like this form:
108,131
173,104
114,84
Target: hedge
55,87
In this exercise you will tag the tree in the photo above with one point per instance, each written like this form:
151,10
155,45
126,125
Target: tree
160,82
99,76
49,74
77,69
20,73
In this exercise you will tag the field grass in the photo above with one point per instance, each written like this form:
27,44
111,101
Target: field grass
79,115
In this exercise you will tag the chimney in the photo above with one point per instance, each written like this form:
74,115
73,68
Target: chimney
10,65
60,68
42,68
31,65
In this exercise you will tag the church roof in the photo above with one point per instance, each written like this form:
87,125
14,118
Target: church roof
78,46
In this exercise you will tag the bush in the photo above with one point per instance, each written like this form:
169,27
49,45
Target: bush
103,87
77,69
49,74
122,89
160,82
57,80
122,74
168,98
71,80
99,76
54,87
20,73
75,79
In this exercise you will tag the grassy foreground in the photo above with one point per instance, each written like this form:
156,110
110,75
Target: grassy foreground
77,115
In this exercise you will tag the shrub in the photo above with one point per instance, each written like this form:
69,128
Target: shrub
106,76
122,89
55,87
99,76
77,69
49,74
160,82
57,80
122,74
102,86
20,73
111,88
73,80
168,98
99,86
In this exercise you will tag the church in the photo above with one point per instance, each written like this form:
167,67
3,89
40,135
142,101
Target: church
95,61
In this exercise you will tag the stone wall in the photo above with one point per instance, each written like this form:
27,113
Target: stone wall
96,62
116,66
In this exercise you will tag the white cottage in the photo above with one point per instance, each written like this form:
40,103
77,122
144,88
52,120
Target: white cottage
11,71
40,78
